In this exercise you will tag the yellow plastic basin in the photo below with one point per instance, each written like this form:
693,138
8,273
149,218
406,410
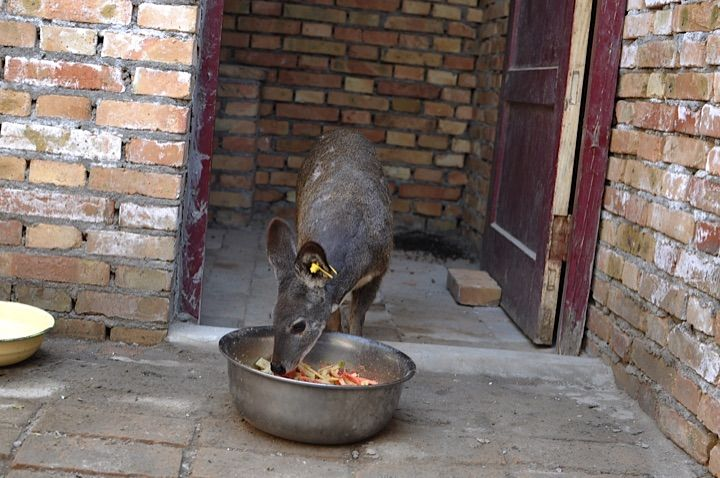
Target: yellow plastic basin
22,328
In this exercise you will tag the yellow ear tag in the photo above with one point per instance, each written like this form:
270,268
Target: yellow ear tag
315,268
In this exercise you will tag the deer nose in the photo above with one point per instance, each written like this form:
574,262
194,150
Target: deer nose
277,369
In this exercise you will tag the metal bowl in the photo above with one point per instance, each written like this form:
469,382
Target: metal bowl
316,413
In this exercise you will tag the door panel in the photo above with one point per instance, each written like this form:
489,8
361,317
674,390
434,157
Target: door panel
545,56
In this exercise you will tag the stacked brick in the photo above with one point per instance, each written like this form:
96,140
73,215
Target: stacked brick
655,311
400,71
94,113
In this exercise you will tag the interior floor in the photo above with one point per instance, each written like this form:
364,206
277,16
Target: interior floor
413,305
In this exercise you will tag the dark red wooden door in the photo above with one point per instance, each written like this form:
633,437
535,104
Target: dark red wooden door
522,211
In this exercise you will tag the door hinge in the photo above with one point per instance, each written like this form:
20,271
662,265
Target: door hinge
560,238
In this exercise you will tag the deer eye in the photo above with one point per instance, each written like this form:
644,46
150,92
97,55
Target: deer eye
298,327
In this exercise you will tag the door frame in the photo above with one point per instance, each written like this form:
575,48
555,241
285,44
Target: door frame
590,173
604,68
197,184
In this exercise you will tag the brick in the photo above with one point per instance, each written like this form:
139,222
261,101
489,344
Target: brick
457,178
80,329
130,244
47,298
142,278
359,85
173,84
713,161
269,25
147,151
181,18
262,58
404,122
633,85
62,106
415,90
406,105
679,225
318,113
245,145
241,108
461,30
382,5
57,205
620,343
322,30
441,77
409,72
456,95
686,392
363,52
446,11
230,199
700,356
359,67
400,138
410,156
382,38
293,145
358,100
64,74
149,217
416,8
320,14
450,160
50,236
432,209
451,45
414,24
310,96
17,34
15,103
51,139
10,233
98,456
714,462
117,12
428,192
473,287
267,42
393,55
132,46
452,127
128,181
71,270
638,25
707,237
691,437
144,309
138,115
689,86
705,194
137,336
355,117
267,8
310,79
692,52
58,173
81,41
654,116
710,121
695,17
320,47
348,34
667,295
712,56
702,315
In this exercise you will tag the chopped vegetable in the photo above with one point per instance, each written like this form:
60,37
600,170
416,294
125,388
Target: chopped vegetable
334,374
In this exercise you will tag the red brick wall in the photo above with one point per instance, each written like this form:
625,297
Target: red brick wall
94,107
655,308
403,72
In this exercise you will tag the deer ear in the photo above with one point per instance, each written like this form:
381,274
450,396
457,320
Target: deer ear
312,265
280,246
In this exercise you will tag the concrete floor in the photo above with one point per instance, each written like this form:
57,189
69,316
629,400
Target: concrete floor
413,304
484,403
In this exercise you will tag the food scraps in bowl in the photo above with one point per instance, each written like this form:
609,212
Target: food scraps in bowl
334,374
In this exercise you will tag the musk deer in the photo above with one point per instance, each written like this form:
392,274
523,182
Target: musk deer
344,241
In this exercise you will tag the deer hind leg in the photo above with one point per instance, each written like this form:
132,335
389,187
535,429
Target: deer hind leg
333,323
362,299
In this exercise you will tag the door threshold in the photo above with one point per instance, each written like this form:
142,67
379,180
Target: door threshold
187,333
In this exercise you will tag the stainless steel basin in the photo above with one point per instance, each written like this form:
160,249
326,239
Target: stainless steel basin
316,413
